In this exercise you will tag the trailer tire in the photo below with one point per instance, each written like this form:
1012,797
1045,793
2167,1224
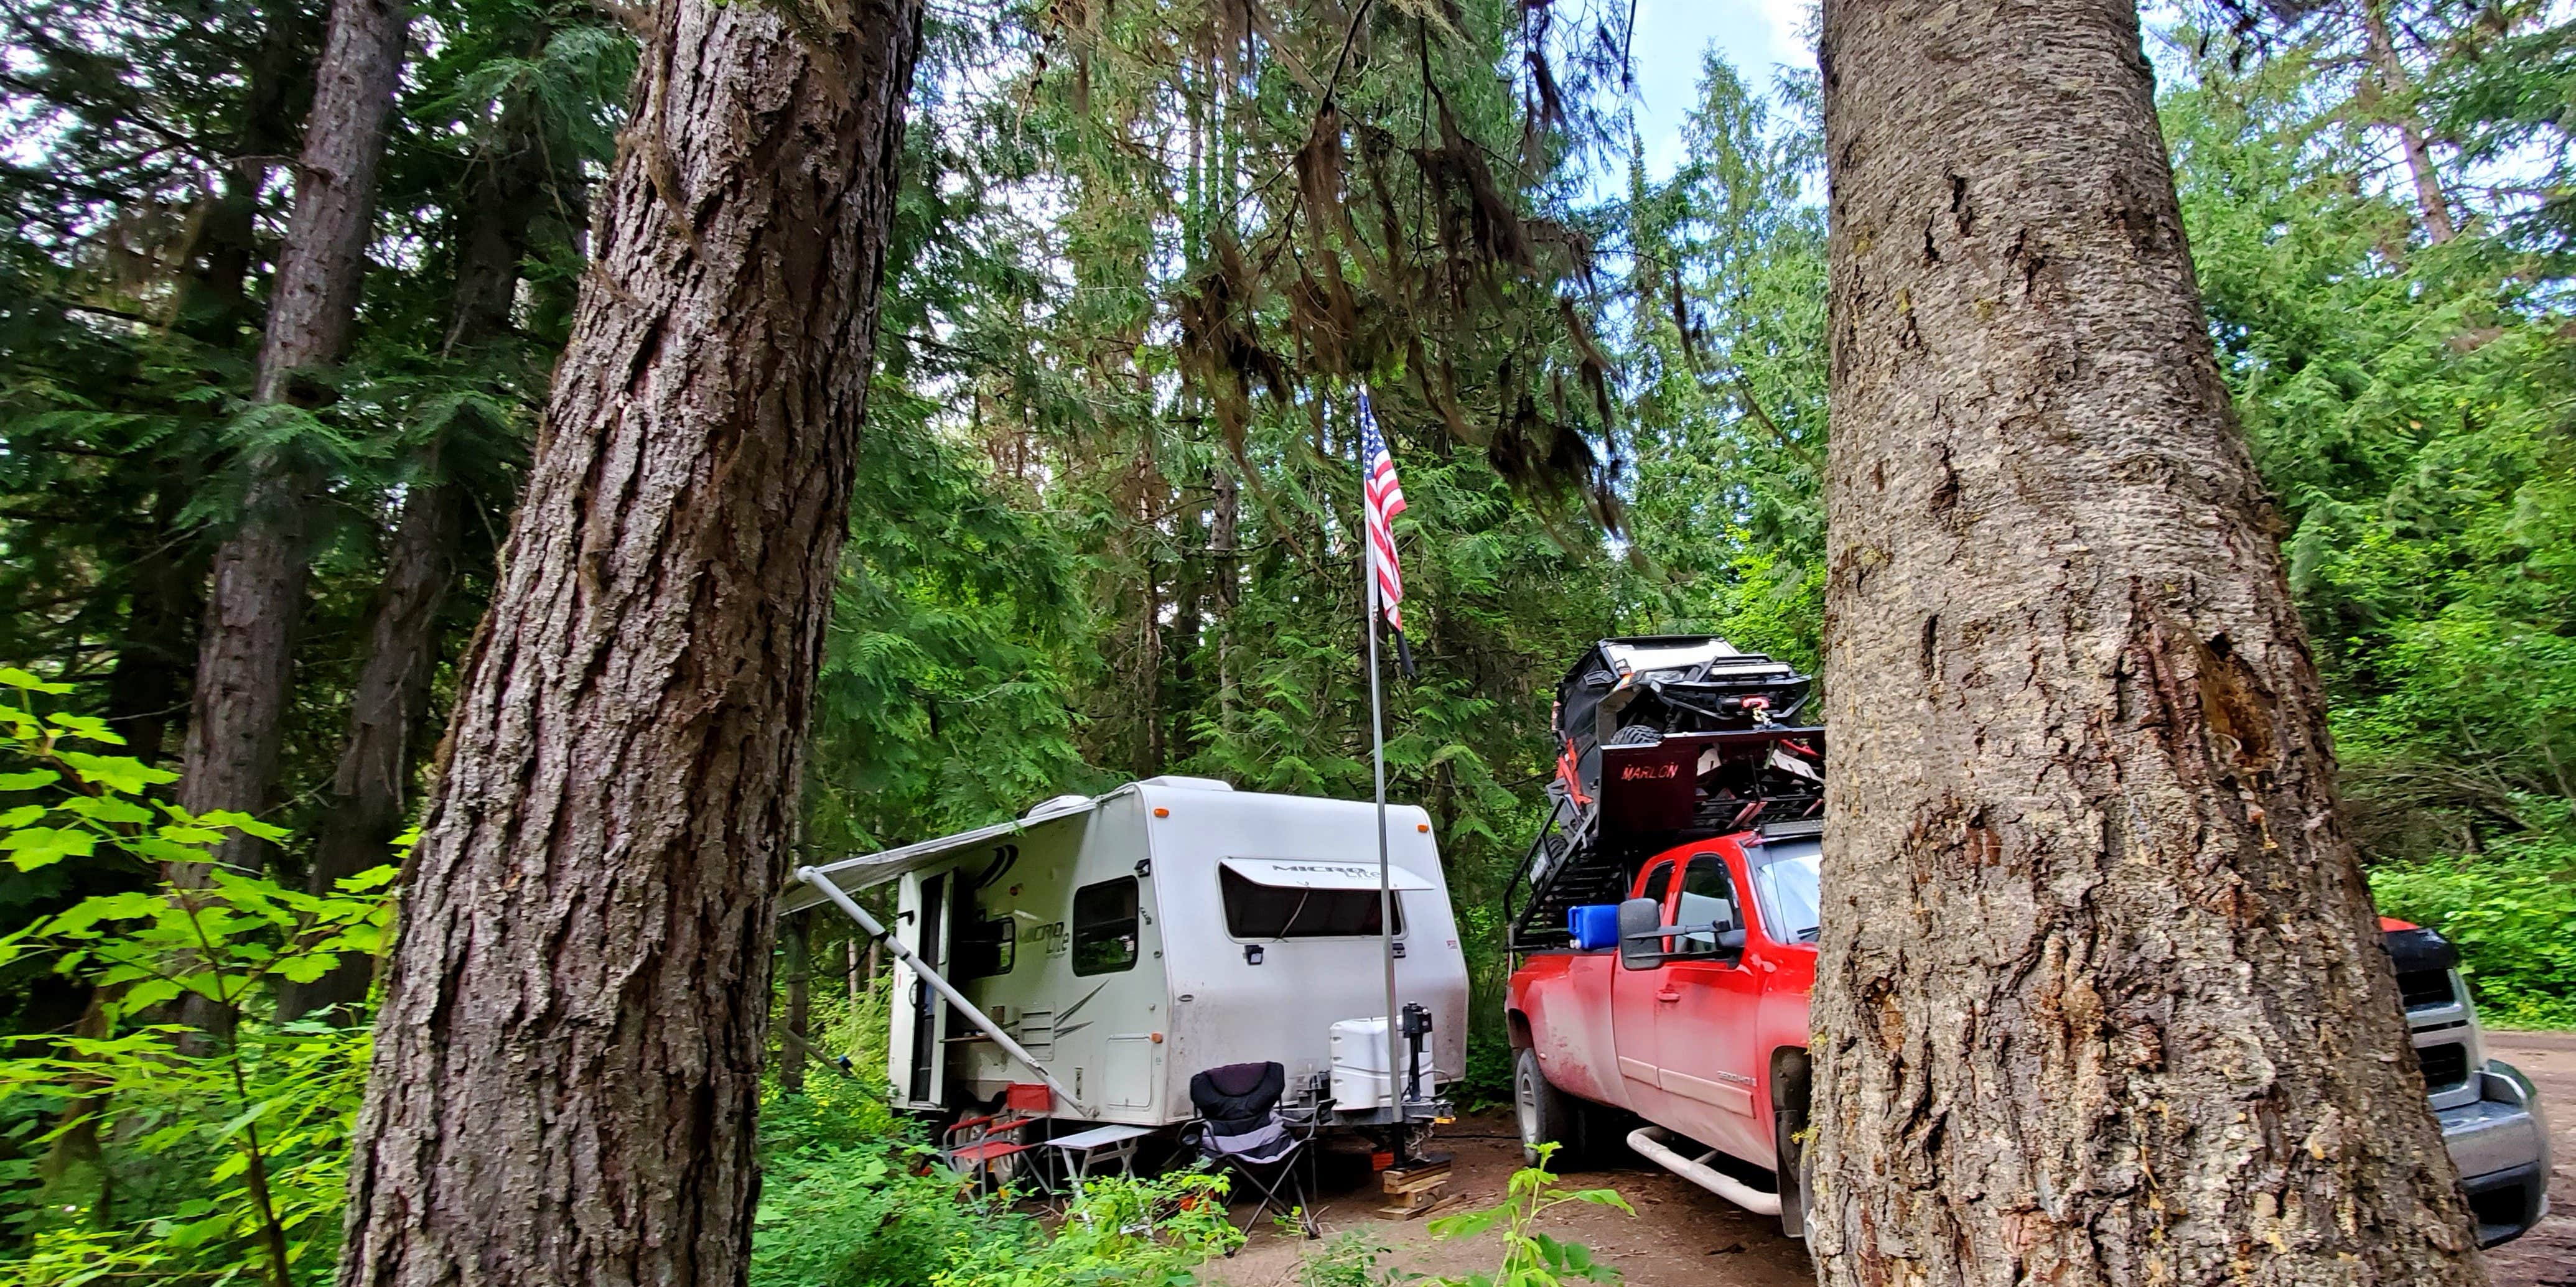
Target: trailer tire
1547,1115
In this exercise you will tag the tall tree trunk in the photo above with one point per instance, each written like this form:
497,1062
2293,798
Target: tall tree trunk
568,1056
2101,997
792,1049
2397,107
147,693
213,299
1226,536
245,648
391,697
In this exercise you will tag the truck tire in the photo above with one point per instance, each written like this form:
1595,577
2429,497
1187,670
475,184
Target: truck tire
1547,1115
1791,1074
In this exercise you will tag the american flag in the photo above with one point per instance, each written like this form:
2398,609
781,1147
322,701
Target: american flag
1385,501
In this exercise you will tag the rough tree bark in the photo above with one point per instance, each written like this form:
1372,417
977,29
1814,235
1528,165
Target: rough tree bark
568,1055
391,697
245,660
2101,997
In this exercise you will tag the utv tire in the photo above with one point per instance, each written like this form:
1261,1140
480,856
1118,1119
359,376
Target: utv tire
1547,1115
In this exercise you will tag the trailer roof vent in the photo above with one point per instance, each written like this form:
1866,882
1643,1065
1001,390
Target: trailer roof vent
1186,783
1050,807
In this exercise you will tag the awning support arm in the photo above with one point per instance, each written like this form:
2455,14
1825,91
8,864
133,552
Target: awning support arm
982,1021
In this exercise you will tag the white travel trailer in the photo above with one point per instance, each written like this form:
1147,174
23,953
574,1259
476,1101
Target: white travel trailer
1127,941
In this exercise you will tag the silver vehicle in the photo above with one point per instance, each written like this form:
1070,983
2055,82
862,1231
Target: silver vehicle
2490,1113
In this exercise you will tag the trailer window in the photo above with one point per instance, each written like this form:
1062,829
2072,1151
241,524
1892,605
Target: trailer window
1258,911
1104,927
987,947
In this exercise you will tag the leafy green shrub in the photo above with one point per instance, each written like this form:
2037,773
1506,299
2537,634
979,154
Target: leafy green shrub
851,1197
847,1199
1149,1232
215,1152
1532,1258
1349,1260
1488,1081
2511,911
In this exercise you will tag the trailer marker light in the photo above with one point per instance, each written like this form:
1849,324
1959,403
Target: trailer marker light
1161,812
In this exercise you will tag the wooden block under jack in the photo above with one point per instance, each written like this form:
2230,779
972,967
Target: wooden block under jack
1429,1202
1416,1189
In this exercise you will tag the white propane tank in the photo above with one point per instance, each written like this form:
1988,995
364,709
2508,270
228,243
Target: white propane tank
1360,1075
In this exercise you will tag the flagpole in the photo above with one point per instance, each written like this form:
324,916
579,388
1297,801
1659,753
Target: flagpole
1396,1089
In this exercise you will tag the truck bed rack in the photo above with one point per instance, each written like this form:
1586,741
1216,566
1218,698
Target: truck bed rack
1662,739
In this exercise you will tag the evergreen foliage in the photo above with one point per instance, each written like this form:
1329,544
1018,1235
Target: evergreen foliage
1106,518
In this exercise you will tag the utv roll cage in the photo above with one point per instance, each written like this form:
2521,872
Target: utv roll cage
1661,739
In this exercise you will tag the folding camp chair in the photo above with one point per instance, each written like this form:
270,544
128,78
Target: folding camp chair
1241,1130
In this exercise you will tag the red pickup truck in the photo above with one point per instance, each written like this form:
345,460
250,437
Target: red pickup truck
1665,926
1701,1031
1686,1006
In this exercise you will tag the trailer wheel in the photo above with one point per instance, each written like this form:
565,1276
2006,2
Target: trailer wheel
1547,1115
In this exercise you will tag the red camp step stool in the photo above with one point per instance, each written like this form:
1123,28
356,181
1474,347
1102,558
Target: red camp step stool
983,1148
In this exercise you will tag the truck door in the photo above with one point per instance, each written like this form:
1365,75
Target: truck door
1633,1007
1706,1014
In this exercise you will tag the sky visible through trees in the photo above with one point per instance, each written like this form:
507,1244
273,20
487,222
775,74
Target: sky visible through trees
1101,520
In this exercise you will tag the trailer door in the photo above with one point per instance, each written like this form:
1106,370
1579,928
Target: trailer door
927,936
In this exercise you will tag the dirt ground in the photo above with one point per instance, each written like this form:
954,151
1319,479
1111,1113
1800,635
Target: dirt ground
1683,1235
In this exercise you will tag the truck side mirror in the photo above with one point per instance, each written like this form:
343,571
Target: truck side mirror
1641,941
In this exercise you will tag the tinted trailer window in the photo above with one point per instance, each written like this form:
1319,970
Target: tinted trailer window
1104,927
1258,911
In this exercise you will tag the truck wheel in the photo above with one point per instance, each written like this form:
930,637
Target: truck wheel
1547,1115
1787,1125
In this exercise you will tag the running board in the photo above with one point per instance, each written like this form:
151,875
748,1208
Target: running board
1649,1143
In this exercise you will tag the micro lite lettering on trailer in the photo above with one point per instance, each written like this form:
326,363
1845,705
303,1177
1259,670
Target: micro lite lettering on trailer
1051,934
1322,869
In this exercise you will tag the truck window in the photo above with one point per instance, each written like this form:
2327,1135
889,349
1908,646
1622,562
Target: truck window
1257,911
1707,897
1104,927
987,947
1658,881
1786,881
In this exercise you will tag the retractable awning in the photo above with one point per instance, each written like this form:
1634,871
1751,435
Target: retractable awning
1314,873
860,871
